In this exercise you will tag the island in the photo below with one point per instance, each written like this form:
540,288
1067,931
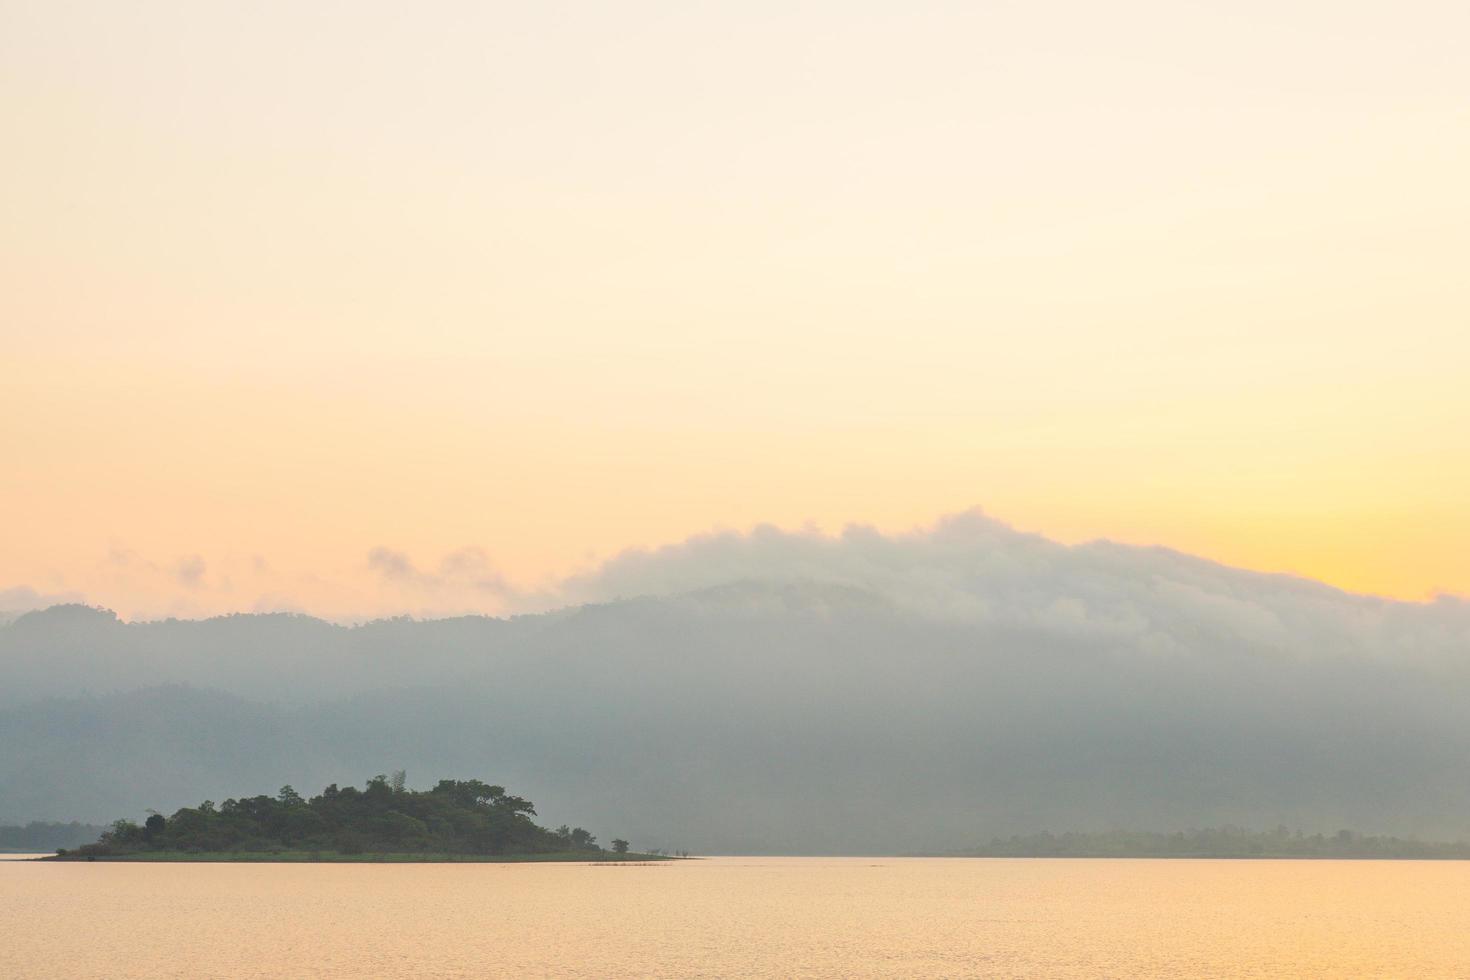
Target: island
457,820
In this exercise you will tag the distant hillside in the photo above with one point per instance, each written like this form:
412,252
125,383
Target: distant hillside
42,838
1222,842
902,699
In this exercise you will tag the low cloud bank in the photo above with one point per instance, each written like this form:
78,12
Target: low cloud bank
967,568
970,568
772,690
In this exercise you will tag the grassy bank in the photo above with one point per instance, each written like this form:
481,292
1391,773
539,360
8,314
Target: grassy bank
335,857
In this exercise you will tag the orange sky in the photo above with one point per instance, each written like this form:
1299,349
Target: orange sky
280,286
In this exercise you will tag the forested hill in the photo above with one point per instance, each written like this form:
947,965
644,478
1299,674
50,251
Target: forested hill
456,817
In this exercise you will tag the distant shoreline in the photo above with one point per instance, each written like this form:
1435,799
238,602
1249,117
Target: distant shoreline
1225,843
331,857
303,857
1198,857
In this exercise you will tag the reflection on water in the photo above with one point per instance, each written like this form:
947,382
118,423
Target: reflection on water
723,917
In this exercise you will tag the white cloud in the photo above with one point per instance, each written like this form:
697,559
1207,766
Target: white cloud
971,568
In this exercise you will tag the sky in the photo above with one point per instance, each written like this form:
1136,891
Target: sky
367,308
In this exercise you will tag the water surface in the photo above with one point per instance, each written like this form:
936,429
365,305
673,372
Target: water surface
738,917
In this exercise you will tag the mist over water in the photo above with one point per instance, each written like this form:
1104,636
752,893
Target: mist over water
791,693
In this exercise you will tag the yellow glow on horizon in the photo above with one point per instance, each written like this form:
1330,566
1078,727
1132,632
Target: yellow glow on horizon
281,286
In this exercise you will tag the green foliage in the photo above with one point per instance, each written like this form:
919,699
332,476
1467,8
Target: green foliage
619,845
467,817
153,826
1220,842
575,839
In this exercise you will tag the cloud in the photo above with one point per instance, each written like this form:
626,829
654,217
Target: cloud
971,568
189,572
393,566
964,568
140,587
464,577
471,566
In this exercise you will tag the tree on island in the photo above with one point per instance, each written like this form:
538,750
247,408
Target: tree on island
153,826
620,846
455,817
576,839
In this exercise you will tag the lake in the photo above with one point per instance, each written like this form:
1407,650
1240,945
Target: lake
740,917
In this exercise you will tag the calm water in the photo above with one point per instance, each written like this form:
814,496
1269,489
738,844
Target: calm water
738,917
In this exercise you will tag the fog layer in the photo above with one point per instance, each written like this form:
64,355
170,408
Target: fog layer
791,692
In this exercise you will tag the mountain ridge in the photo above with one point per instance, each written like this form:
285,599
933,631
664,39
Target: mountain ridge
798,693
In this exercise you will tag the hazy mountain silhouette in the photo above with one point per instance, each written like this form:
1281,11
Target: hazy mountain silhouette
882,694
